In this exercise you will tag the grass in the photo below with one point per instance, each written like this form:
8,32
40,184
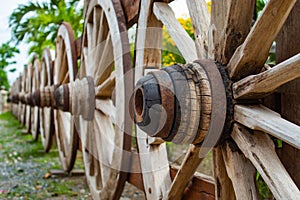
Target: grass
23,164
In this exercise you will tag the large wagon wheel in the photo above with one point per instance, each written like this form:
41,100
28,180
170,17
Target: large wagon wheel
105,59
35,115
65,71
224,89
46,113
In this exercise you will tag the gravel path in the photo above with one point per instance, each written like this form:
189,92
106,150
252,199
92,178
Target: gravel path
24,169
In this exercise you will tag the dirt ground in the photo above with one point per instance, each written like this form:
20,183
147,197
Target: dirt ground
24,169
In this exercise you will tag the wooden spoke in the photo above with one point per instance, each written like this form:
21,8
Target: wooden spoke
241,173
260,150
223,183
90,36
185,173
86,63
104,135
97,14
183,41
63,60
250,57
107,87
201,19
103,29
263,119
106,62
107,107
58,56
66,79
231,18
257,86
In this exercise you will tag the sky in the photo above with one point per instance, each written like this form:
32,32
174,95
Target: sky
7,7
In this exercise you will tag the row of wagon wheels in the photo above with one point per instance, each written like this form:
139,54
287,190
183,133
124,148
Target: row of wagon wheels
213,102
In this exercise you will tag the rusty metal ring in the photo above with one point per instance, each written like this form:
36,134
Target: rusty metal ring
219,105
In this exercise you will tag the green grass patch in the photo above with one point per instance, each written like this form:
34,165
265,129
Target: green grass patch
23,164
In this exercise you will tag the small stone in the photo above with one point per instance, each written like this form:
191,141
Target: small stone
47,175
82,191
39,187
19,169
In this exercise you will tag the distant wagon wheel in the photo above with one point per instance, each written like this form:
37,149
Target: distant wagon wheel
213,101
28,90
65,71
22,91
46,113
35,115
104,61
14,92
20,114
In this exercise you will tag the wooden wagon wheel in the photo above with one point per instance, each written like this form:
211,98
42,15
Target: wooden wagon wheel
227,83
65,71
46,113
14,92
35,111
29,72
22,91
20,114
105,60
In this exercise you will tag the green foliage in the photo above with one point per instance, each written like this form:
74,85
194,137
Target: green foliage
7,52
260,4
37,23
264,191
170,53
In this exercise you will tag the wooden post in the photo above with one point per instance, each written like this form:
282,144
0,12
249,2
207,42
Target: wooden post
288,45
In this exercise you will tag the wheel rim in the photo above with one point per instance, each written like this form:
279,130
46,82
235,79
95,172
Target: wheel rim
46,114
28,91
35,110
103,138
65,70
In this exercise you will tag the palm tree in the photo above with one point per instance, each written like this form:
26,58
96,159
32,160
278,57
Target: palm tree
37,23
7,52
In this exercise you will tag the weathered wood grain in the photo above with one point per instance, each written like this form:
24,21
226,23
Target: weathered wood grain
232,20
223,185
257,86
201,19
241,172
260,118
183,41
185,173
260,150
288,45
250,57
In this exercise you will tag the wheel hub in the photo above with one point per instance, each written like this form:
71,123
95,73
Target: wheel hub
189,103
